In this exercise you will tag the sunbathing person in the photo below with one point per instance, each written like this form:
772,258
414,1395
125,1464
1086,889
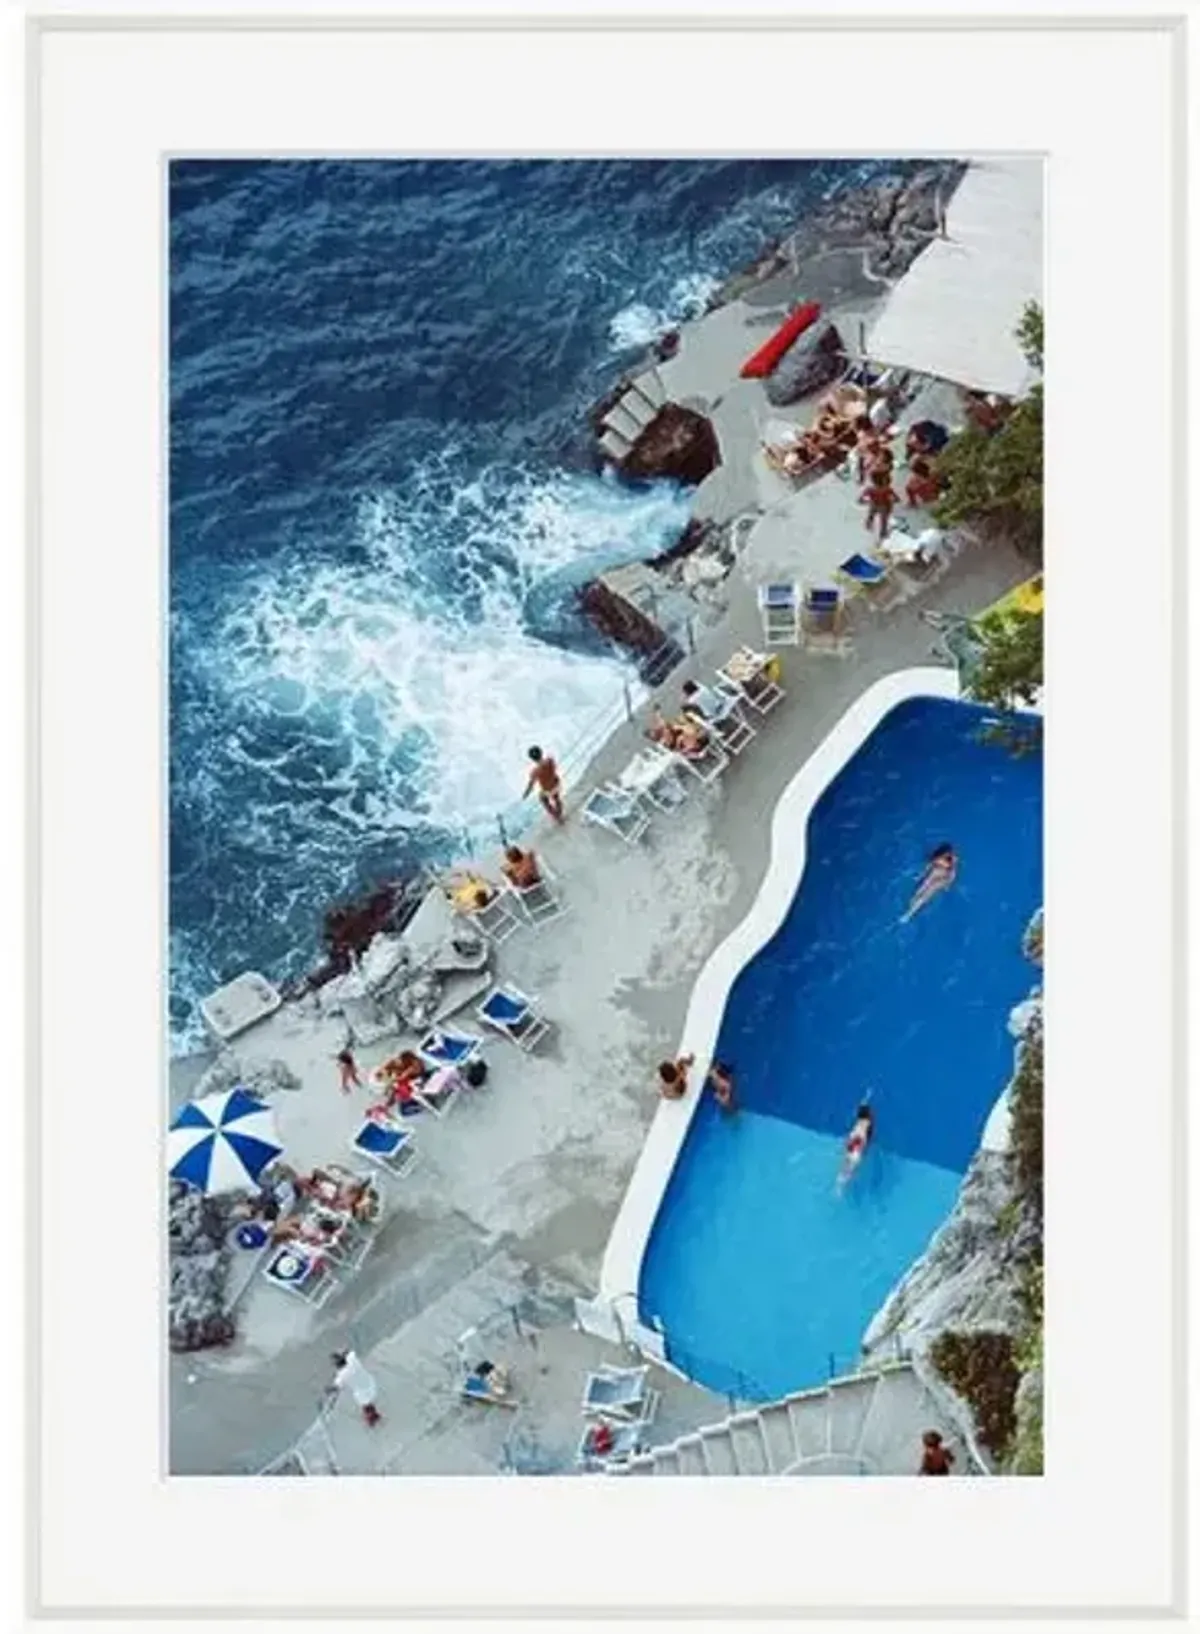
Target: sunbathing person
521,868
685,736
469,892
341,1192
857,1142
703,702
489,1379
941,871
673,1077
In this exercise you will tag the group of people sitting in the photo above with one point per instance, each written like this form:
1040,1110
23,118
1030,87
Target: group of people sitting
409,1085
828,441
311,1209
689,733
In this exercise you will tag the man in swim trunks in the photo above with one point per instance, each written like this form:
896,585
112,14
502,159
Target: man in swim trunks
544,775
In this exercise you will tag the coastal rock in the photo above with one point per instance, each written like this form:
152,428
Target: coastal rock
1033,944
199,1266
678,443
809,363
259,1077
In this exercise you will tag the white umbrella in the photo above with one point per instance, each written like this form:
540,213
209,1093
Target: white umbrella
223,1142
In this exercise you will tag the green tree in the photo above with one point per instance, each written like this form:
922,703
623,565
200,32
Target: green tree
994,479
1008,672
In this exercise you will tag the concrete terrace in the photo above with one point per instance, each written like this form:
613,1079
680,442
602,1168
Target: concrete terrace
506,1217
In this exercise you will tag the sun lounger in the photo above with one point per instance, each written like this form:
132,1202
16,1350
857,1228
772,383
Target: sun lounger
616,1392
540,902
779,608
707,764
473,1388
652,776
869,577
385,1143
725,721
618,811
746,673
348,1242
438,1092
627,1439
303,1271
510,1012
448,1048
823,622
496,919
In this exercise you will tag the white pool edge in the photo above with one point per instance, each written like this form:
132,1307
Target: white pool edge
613,1314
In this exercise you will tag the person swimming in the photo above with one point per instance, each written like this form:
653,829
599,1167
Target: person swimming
857,1142
940,871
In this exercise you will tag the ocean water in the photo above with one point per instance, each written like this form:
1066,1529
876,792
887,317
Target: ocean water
380,508
758,1270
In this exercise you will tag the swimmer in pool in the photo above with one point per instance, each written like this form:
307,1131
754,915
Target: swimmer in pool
857,1142
941,871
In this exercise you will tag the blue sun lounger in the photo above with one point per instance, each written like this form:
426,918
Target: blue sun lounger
386,1144
511,1012
448,1049
308,1275
862,570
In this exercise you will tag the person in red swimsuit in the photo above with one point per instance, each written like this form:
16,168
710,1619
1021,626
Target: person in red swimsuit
857,1141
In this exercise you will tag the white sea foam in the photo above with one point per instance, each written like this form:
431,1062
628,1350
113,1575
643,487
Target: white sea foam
639,323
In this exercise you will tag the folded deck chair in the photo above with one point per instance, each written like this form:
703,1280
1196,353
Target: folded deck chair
779,608
448,1048
383,1142
512,1013
618,811
616,1392
540,902
867,576
627,1439
301,1271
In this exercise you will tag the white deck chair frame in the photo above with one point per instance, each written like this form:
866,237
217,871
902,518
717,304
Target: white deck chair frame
496,920
730,728
535,1028
628,823
314,1289
539,904
759,692
628,1409
397,1163
660,760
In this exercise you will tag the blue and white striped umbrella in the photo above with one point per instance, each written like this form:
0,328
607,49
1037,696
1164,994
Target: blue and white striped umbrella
223,1142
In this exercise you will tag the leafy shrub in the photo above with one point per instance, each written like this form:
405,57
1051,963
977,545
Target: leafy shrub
981,1367
995,479
1026,1154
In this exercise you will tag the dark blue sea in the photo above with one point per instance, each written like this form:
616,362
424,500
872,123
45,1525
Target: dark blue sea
380,508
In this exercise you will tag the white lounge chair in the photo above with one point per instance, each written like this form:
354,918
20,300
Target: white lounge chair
510,1012
619,1393
706,766
387,1144
779,609
652,775
721,712
540,902
618,811
496,919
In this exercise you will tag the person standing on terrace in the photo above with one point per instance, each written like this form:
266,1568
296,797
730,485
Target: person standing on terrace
879,497
544,776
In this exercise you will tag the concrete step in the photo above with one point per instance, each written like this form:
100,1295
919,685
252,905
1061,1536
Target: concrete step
650,386
809,1419
665,1461
614,445
639,409
749,1446
777,1435
691,1456
625,421
718,1451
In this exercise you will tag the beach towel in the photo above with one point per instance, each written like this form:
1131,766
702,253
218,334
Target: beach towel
760,363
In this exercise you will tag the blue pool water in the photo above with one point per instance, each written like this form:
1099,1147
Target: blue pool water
759,1273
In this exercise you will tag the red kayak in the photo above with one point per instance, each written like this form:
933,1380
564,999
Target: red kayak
768,355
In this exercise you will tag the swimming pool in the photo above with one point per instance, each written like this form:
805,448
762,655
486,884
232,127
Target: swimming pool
759,1275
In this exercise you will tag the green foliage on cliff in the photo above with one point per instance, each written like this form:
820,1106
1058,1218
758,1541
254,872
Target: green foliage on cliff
1025,1105
994,478
1009,673
982,1368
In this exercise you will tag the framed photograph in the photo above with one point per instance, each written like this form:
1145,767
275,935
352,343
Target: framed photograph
585,934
